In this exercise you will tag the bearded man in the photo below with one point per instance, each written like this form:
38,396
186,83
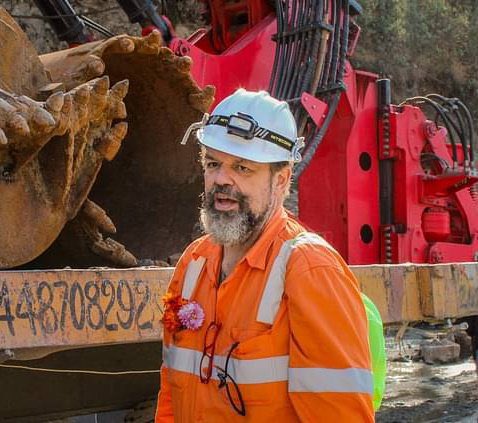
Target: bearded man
263,321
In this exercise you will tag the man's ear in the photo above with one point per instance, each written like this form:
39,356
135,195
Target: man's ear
283,178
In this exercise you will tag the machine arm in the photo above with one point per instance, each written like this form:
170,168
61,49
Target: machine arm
67,25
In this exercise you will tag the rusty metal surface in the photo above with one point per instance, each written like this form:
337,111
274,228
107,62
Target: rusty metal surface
69,308
410,292
151,190
59,119
77,308
51,150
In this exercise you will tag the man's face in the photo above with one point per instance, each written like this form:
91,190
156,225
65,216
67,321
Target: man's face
239,197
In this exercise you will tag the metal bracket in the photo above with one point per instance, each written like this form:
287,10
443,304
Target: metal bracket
316,108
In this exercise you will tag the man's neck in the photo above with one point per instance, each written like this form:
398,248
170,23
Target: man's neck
233,253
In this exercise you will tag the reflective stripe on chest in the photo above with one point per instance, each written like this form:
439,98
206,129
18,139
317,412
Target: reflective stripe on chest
275,284
192,276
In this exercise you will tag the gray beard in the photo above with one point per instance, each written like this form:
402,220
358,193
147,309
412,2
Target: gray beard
230,228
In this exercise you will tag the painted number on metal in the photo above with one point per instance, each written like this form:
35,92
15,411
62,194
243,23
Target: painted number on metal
95,308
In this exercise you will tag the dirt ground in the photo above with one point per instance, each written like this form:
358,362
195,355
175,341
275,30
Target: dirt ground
422,393
418,392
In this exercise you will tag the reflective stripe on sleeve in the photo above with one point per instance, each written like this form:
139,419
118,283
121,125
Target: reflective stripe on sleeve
350,380
261,370
192,274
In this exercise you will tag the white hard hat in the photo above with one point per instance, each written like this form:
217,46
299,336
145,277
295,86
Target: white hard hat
251,125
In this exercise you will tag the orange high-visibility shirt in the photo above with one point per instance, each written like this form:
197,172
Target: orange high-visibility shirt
303,351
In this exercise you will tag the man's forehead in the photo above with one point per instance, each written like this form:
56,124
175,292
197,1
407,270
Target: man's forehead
212,154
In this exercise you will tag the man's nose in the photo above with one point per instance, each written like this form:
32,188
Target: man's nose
223,176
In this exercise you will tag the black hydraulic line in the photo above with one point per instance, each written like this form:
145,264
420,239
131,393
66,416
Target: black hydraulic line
298,41
462,134
355,8
67,26
281,30
96,26
328,58
460,131
335,48
284,49
310,74
345,41
385,165
291,43
314,16
470,128
275,66
300,52
439,110
291,46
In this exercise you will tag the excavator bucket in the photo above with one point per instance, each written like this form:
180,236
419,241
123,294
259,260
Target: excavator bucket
128,100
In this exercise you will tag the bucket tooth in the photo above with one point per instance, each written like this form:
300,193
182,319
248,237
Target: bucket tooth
154,38
94,68
99,98
110,144
150,44
43,120
202,100
117,110
183,64
64,117
18,125
101,85
125,45
98,216
82,95
55,102
5,107
114,251
120,89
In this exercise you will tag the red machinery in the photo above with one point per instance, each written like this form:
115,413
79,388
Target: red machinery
384,184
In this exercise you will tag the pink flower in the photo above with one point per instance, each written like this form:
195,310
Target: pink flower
191,315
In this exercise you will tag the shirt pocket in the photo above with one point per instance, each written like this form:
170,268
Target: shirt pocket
253,343
261,374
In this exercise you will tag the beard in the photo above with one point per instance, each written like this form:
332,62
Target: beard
234,227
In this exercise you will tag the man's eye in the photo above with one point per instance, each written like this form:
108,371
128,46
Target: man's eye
211,165
243,169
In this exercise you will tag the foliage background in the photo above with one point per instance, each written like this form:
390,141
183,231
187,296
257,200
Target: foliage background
423,45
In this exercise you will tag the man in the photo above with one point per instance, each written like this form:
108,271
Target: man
263,321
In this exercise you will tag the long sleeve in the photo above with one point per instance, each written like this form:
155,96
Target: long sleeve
164,410
330,376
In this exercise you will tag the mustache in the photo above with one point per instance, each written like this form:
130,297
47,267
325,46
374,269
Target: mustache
208,200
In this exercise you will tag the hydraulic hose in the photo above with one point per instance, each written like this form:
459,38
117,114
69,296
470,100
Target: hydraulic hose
439,109
460,128
312,43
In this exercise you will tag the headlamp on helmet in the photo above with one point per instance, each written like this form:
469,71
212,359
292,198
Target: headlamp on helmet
242,125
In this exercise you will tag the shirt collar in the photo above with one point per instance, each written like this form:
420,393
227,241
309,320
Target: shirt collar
257,254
